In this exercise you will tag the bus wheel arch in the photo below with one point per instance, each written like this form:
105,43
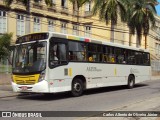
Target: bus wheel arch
131,81
78,85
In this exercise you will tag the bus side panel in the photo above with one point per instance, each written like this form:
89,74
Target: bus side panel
142,73
61,77
96,75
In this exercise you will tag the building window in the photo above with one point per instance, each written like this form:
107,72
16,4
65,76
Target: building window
3,22
64,27
37,1
54,1
75,30
51,26
77,51
95,53
20,25
87,31
64,3
88,6
37,25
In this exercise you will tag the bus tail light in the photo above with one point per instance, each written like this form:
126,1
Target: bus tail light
42,76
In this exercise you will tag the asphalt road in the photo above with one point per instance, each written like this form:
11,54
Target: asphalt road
102,99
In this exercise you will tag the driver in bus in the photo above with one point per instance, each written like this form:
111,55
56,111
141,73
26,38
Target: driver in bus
54,56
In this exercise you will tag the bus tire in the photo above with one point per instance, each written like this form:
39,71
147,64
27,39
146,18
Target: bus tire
77,87
131,81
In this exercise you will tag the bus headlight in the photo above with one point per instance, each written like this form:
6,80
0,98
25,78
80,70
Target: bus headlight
42,76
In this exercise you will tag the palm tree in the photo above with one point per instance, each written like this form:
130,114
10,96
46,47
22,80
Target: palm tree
49,3
109,11
141,18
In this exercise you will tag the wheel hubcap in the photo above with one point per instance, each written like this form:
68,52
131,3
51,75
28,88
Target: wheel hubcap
77,87
131,82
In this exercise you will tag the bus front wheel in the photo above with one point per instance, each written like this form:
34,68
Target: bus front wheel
77,87
131,81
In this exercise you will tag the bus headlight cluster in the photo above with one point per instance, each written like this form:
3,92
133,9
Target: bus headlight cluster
42,76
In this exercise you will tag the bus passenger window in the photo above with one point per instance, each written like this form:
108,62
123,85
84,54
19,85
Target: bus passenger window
57,54
54,55
77,51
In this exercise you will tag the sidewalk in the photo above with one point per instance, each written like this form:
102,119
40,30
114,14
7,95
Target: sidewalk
6,91
155,77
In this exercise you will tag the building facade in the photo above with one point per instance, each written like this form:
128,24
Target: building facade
63,18
59,18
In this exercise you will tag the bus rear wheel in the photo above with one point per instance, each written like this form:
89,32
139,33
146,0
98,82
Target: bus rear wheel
77,87
131,81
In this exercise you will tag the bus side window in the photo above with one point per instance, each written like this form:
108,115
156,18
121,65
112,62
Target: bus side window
131,57
77,51
57,54
95,52
146,60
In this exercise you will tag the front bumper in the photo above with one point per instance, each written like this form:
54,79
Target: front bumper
40,87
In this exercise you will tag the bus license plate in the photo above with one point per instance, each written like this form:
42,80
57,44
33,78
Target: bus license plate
23,88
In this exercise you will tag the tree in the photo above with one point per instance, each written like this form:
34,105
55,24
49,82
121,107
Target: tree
49,3
109,11
142,18
5,41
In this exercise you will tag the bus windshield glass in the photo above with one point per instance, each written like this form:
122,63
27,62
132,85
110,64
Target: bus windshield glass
29,58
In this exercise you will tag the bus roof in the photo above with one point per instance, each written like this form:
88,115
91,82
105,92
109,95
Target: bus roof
84,39
91,40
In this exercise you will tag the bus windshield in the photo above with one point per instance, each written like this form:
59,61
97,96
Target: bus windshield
29,57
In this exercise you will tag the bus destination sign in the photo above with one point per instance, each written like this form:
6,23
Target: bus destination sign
32,37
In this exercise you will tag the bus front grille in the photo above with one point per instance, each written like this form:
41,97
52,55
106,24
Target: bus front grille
25,82
26,79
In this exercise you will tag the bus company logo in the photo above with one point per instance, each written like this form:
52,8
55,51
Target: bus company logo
6,114
93,69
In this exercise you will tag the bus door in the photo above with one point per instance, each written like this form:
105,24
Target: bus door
57,61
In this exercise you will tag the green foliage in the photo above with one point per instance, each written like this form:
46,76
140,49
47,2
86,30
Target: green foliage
109,10
49,3
141,16
5,41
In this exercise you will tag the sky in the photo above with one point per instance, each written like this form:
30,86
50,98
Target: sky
158,8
